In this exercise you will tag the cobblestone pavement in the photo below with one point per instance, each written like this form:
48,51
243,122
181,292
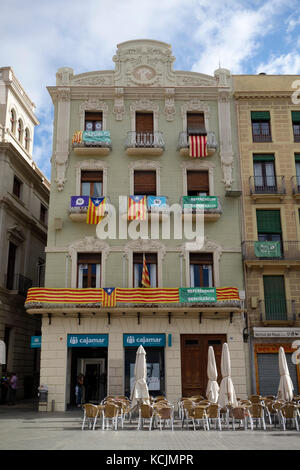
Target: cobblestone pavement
23,428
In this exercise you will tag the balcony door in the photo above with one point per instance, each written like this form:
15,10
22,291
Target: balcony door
275,301
144,129
264,175
201,270
11,266
197,183
93,121
195,124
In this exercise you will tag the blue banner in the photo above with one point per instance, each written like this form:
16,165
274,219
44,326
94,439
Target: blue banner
35,341
80,201
87,341
157,203
146,340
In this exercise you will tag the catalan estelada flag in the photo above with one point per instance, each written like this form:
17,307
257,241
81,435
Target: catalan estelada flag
96,210
145,274
109,297
198,146
137,208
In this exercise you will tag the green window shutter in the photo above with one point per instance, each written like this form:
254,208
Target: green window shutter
260,116
263,158
268,221
296,117
297,157
275,302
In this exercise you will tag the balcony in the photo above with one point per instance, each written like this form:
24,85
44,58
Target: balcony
19,283
276,312
266,252
79,207
145,143
262,137
156,206
295,182
184,144
296,133
267,188
210,204
92,143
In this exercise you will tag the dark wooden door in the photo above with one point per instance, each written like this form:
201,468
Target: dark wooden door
194,356
144,122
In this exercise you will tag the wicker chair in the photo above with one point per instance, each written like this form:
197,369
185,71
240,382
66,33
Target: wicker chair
90,415
241,414
213,414
289,411
165,414
110,412
257,414
187,407
256,399
145,412
199,415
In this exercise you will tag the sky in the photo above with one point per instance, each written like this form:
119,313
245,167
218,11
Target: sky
39,36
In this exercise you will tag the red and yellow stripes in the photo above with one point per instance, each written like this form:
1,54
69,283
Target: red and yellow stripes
77,137
198,145
122,295
137,208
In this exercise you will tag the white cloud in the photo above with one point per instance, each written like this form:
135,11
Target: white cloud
285,64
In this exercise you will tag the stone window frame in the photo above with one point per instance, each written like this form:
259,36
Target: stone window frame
198,165
144,165
208,247
144,105
144,246
88,245
90,165
195,106
93,105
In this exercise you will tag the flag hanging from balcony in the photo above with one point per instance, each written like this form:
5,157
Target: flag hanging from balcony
137,208
109,297
77,137
96,210
145,274
197,145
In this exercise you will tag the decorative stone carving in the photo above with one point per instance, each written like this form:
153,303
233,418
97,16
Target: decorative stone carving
170,109
144,63
61,164
16,234
64,76
119,106
93,104
191,79
195,105
94,79
142,245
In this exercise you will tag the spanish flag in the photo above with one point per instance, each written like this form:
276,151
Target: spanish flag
96,210
145,274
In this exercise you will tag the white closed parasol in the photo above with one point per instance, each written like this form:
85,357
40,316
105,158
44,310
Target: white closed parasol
286,387
140,393
227,394
212,389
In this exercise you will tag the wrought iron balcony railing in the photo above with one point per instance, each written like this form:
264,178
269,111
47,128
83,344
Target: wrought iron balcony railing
295,180
145,140
275,250
277,310
183,141
262,137
267,185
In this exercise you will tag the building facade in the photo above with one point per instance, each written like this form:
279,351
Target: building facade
129,132
24,199
269,138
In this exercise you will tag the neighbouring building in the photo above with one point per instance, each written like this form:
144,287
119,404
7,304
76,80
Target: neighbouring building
130,132
269,139
24,199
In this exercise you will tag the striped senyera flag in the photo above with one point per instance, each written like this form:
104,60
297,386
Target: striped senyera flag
109,297
198,145
96,210
145,274
148,296
63,296
77,137
137,208
227,293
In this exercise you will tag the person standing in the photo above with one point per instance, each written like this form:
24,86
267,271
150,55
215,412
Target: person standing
13,382
79,389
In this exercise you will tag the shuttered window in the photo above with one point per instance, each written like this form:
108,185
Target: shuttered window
296,117
261,128
91,183
296,125
260,116
144,122
195,124
275,302
197,183
268,221
93,121
145,183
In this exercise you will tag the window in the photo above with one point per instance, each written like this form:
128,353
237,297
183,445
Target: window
264,173
197,183
43,214
151,261
27,138
17,187
261,129
89,270
20,130
92,183
195,124
12,250
269,226
296,125
201,270
12,121
144,129
144,183
275,301
297,164
93,121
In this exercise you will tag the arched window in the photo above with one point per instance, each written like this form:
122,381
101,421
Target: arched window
20,130
12,120
27,138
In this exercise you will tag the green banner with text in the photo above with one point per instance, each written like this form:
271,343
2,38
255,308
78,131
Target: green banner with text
197,294
207,202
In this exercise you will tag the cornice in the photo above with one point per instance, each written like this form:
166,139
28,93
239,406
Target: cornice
240,95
